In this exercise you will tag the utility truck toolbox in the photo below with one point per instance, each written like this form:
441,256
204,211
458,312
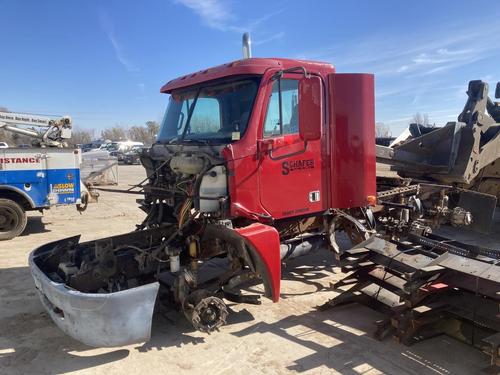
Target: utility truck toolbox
35,179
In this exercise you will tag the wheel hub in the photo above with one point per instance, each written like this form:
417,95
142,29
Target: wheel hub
209,314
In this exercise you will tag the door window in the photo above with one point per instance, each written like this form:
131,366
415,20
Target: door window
282,119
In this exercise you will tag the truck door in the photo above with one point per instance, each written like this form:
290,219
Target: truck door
290,173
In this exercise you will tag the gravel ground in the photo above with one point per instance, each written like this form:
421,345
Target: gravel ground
287,337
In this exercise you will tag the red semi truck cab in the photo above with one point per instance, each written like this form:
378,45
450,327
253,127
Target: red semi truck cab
256,161
298,137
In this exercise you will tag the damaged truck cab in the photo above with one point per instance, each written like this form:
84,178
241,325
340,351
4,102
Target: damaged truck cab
256,161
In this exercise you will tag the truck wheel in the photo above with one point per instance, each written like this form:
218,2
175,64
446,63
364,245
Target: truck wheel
13,219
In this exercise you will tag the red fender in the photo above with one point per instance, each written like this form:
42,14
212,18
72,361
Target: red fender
265,240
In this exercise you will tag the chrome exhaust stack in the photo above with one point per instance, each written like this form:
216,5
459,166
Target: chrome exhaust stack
247,46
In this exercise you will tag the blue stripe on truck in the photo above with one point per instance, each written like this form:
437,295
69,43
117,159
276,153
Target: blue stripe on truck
64,184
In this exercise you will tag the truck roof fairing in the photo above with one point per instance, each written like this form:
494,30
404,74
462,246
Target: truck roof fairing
256,66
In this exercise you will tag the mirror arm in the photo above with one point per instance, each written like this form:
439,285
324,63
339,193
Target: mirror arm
288,155
295,69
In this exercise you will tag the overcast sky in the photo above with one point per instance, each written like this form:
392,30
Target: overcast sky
103,62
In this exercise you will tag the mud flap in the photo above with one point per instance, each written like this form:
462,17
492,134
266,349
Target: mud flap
263,244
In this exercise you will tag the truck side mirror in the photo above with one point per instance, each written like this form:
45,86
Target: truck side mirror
310,108
497,91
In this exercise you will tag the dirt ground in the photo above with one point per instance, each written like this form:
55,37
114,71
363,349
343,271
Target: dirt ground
287,337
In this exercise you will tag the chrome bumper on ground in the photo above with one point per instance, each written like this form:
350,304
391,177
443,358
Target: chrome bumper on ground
110,319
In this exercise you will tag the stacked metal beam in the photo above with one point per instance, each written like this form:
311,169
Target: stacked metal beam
426,285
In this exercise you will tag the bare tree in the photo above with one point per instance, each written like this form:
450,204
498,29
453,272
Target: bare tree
382,130
421,119
145,134
153,130
82,136
115,133
19,139
139,134
5,137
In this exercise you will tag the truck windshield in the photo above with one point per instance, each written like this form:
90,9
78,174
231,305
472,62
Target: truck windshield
218,113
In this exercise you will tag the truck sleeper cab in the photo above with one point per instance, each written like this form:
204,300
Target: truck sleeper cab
256,161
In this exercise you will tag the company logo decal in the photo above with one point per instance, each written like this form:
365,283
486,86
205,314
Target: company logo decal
63,188
295,165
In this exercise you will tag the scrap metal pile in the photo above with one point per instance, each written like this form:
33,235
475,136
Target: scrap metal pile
427,285
424,283
464,154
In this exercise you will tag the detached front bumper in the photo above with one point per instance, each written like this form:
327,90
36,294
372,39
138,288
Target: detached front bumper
102,320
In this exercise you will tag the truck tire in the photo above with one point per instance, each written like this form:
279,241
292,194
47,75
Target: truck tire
13,219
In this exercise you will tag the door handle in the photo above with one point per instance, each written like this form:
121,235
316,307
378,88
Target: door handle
264,145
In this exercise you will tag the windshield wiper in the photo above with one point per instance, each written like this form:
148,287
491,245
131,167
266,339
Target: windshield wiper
190,114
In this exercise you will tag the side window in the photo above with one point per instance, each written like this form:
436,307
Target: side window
206,116
286,121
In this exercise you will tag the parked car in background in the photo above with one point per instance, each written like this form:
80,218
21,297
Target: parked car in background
134,155
94,145
4,145
119,149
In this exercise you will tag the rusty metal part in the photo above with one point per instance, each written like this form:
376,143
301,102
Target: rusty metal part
342,221
412,189
205,312
464,153
426,285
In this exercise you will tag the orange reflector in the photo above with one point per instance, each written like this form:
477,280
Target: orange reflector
371,200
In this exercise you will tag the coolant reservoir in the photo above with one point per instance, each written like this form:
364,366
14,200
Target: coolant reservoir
187,164
213,186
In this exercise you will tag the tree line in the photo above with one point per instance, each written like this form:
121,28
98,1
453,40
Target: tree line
139,133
